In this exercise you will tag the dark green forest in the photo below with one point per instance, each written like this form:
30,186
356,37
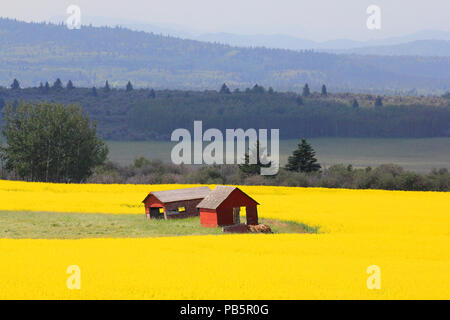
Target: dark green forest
33,52
142,114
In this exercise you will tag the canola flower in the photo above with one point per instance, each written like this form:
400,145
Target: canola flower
406,234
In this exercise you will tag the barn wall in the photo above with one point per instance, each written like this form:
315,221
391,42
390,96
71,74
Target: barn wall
208,218
152,201
189,205
252,215
237,198
224,216
147,208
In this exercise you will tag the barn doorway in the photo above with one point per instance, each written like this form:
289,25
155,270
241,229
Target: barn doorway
237,219
157,212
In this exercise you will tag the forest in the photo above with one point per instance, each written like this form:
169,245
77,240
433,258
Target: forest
148,114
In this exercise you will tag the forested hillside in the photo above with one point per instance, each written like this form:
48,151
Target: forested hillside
36,52
414,48
138,114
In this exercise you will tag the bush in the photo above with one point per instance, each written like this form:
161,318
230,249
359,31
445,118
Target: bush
386,176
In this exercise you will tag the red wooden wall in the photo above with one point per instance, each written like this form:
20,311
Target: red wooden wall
189,205
208,218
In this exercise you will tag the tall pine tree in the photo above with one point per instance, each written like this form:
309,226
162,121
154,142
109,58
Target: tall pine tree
250,169
224,89
106,88
129,86
15,85
324,91
57,85
70,85
303,159
306,91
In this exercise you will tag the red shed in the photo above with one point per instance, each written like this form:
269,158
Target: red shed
222,207
170,204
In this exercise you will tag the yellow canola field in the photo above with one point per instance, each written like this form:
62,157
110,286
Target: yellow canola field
406,234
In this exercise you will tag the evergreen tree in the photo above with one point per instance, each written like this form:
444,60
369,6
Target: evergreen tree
129,86
249,169
258,89
47,87
324,91
355,104
270,91
41,87
57,85
306,91
106,87
94,91
152,94
224,89
70,85
15,85
378,102
303,159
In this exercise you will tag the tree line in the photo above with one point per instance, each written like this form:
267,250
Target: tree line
52,142
385,177
129,113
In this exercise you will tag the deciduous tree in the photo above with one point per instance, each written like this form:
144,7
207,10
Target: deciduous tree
51,142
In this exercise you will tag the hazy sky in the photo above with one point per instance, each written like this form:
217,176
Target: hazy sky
315,19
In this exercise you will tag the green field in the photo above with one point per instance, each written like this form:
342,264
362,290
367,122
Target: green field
58,225
419,155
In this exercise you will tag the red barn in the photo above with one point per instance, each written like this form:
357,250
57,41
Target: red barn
170,204
221,207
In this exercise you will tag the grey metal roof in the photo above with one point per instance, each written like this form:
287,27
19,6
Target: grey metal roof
216,197
181,194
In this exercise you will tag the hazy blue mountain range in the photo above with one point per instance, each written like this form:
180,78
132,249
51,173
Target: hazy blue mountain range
426,43
280,41
415,48
37,52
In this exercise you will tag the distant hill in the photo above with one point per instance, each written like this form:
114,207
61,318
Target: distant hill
416,48
34,52
282,41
